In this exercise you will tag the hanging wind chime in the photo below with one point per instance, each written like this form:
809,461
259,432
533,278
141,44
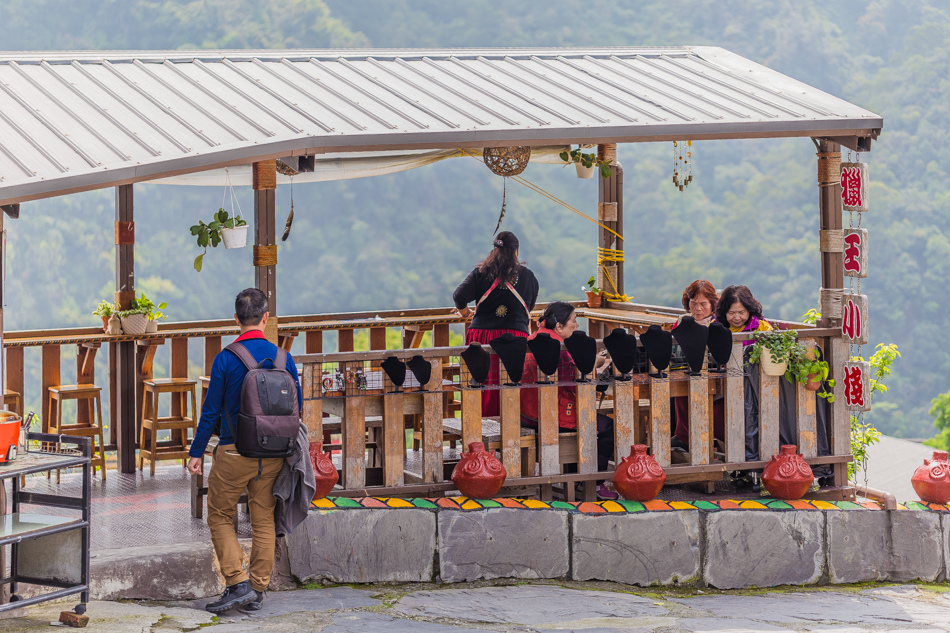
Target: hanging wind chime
682,163
506,162
287,170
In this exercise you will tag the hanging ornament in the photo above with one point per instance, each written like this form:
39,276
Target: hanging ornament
682,163
290,216
507,161
504,192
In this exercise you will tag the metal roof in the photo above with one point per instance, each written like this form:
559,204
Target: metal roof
72,121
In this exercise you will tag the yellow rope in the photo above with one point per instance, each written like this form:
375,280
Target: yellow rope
611,255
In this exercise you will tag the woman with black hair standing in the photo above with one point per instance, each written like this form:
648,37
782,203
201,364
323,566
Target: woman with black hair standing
504,291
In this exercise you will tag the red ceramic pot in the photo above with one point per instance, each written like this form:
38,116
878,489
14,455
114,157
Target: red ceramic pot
813,384
932,480
787,476
639,477
479,474
324,472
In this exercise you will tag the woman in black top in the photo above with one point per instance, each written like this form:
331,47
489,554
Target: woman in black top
504,291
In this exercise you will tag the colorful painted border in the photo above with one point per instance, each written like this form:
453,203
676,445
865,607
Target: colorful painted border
604,507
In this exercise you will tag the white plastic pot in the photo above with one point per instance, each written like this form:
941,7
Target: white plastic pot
584,172
151,327
770,368
134,324
234,238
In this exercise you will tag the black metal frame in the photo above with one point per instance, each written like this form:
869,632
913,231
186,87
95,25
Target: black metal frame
84,444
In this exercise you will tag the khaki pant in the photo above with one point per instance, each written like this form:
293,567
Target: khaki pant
230,475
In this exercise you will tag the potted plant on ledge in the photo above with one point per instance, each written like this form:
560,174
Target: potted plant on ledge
805,366
153,312
595,295
772,349
223,228
105,310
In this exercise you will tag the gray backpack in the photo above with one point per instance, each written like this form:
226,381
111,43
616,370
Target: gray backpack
270,417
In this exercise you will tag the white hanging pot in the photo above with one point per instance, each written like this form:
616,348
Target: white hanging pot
584,172
234,238
770,368
151,327
134,324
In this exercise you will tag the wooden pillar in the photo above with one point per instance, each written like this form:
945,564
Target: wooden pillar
3,375
610,214
265,238
829,206
122,382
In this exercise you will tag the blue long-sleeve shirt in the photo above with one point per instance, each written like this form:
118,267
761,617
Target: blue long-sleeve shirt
227,376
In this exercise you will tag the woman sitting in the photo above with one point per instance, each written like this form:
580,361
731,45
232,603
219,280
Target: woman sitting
559,322
701,300
741,311
505,291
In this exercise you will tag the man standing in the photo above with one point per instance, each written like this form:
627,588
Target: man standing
230,472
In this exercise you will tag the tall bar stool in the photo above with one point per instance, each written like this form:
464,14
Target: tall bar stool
180,389
12,398
85,395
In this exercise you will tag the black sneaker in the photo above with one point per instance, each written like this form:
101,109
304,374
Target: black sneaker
676,444
233,597
255,604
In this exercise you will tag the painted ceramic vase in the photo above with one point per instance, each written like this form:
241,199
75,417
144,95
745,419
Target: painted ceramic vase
324,472
639,477
932,480
787,475
479,474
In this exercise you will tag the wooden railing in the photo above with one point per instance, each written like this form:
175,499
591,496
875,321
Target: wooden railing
640,411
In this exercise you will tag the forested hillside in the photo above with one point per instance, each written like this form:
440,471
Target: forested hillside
750,216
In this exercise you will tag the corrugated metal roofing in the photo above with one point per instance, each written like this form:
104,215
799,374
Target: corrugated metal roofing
76,121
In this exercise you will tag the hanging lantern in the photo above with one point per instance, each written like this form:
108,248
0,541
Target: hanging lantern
507,161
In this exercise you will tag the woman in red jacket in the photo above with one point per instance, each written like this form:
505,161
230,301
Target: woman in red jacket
559,322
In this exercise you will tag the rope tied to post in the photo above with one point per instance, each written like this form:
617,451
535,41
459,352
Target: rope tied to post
829,169
605,255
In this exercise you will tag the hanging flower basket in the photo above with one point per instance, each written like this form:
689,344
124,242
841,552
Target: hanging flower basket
584,172
234,238
770,368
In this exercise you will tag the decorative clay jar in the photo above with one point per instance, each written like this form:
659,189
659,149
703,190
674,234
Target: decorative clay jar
639,477
787,475
932,480
324,472
479,474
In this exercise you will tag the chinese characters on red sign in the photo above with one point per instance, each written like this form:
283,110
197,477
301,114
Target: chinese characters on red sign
854,317
852,251
856,381
854,186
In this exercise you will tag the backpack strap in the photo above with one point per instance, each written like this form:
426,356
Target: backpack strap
280,362
496,284
238,349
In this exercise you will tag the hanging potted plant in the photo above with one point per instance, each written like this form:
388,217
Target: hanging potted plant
105,310
223,228
595,295
586,163
772,349
153,312
805,366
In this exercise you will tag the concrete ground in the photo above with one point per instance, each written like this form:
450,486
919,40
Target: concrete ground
587,607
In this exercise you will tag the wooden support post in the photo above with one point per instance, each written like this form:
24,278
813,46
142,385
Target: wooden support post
122,383
829,205
50,369
586,428
314,342
440,335
660,420
311,388
264,178
432,425
768,415
610,205
548,435
805,416
345,340
626,408
14,371
471,416
354,443
394,434
699,420
377,341
840,418
735,406
212,349
509,402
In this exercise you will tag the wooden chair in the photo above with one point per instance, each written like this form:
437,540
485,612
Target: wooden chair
180,389
85,395
12,398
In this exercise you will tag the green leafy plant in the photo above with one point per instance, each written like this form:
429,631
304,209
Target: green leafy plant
152,310
587,160
210,234
106,308
591,286
779,343
805,364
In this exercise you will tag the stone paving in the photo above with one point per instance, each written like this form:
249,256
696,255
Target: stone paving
570,606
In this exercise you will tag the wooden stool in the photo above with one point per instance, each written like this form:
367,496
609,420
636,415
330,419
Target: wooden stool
89,393
180,388
12,398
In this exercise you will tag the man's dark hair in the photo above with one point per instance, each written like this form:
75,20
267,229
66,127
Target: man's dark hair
250,306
